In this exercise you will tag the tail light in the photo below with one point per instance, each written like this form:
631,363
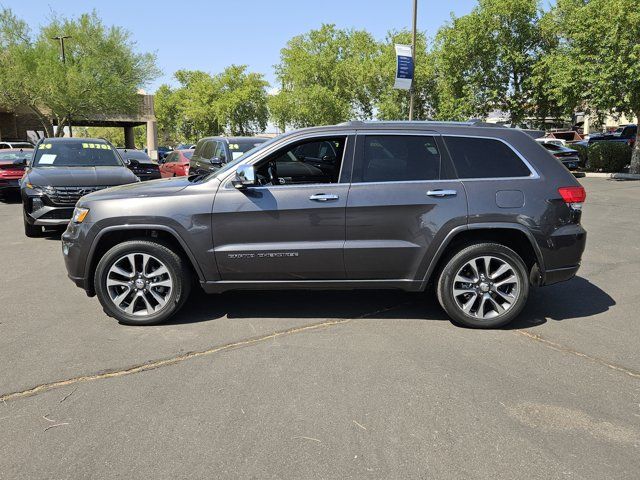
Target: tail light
574,197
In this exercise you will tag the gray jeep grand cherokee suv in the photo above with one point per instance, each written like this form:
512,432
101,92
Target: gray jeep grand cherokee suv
482,212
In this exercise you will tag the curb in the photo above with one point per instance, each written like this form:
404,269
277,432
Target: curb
612,176
625,176
595,174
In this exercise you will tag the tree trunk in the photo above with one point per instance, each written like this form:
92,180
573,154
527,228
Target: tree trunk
46,124
635,156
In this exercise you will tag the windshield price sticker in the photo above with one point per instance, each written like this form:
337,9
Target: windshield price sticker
46,146
102,146
234,146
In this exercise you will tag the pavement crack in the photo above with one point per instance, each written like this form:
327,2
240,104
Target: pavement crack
143,367
565,349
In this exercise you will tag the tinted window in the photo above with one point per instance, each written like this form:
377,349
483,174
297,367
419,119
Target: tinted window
220,152
291,166
187,154
398,158
92,153
204,150
484,158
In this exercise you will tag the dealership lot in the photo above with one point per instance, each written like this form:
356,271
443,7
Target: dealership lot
322,384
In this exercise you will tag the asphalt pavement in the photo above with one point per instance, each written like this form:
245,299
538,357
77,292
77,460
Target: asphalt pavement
325,385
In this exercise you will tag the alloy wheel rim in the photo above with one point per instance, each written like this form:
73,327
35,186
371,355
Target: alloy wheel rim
139,284
486,287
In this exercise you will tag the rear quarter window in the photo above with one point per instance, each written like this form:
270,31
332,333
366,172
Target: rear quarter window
485,158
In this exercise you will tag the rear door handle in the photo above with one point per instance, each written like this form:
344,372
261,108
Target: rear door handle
323,197
441,193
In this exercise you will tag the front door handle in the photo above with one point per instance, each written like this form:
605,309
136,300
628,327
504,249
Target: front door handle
323,197
441,193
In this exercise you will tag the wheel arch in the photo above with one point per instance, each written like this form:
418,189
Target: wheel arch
111,236
512,235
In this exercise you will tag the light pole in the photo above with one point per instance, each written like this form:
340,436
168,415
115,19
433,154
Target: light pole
61,39
413,55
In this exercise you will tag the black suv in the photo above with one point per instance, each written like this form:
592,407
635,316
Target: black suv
62,171
211,153
481,212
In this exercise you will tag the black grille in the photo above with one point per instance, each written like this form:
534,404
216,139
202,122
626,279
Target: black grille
58,214
69,195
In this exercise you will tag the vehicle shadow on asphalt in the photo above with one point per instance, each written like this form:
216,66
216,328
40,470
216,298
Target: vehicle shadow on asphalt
376,304
572,300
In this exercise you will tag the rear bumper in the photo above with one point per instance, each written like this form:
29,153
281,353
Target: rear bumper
559,275
9,183
562,253
148,176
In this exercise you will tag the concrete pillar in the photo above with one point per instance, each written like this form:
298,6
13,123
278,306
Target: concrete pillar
152,139
129,138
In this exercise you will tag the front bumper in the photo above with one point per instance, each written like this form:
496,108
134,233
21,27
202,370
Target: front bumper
50,216
74,255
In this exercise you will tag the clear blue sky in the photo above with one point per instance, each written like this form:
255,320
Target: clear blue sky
210,35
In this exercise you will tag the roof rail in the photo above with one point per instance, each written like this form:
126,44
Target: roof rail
470,123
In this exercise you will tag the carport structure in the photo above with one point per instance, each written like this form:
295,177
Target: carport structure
16,124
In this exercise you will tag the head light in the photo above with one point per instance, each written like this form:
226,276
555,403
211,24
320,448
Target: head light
79,214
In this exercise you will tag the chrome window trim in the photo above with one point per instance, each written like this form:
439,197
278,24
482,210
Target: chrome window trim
533,174
276,146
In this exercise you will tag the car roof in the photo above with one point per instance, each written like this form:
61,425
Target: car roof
17,150
73,140
235,139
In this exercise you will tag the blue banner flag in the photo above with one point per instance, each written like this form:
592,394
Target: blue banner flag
404,70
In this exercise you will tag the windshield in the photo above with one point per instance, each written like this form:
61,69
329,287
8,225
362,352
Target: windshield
93,153
13,156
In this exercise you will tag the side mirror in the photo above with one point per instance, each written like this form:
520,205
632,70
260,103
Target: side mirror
216,161
133,163
245,177
22,162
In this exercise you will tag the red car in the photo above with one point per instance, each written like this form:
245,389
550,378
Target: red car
12,165
175,164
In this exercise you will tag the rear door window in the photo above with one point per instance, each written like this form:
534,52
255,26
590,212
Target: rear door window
485,158
397,158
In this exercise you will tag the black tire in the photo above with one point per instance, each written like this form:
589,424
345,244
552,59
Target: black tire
457,262
31,231
178,271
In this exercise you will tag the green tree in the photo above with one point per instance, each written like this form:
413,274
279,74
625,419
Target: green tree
233,102
597,62
484,60
326,76
102,73
115,135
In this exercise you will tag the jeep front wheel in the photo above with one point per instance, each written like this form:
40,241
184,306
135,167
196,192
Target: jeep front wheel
141,282
484,286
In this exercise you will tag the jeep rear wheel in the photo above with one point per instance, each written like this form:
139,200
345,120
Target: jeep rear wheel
484,286
141,282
